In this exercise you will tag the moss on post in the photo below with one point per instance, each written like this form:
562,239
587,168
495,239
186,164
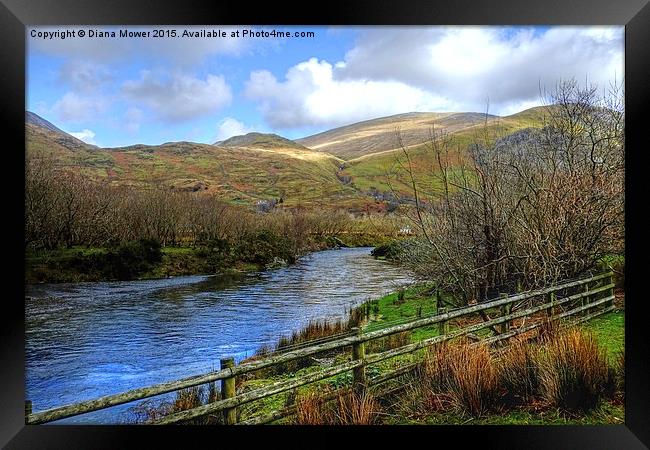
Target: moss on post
28,409
228,391
443,326
359,373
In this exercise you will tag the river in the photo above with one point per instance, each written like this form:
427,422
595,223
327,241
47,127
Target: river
86,340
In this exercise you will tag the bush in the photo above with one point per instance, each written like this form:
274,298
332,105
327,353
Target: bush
217,253
615,263
391,250
132,259
263,247
574,371
466,374
519,373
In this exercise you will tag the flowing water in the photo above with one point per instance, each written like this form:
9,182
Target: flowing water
86,340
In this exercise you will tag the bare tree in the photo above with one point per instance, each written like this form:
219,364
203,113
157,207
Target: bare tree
526,209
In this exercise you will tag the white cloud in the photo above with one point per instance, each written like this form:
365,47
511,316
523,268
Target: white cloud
75,108
88,136
178,97
230,127
394,70
311,96
470,64
84,76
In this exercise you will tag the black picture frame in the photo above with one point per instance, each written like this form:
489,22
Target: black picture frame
15,15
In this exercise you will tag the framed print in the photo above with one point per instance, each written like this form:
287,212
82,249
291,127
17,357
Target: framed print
373,219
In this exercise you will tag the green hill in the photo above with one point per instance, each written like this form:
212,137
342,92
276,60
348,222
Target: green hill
345,166
378,135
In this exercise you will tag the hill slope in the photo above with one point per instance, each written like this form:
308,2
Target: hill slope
376,170
260,140
253,167
236,173
378,135
39,130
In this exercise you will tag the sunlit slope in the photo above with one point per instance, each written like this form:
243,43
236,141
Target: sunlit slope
256,166
386,171
378,135
237,174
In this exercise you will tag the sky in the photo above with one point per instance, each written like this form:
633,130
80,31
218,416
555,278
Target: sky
117,91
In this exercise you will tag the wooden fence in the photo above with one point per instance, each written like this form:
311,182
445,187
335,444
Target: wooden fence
585,298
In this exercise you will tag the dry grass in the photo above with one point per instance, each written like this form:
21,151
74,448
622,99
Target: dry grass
149,411
315,331
563,369
574,371
466,374
356,409
311,409
519,372
348,408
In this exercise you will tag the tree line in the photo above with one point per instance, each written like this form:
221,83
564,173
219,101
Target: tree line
64,208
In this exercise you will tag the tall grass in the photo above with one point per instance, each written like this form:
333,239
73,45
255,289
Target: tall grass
574,371
519,372
466,374
149,411
348,408
563,369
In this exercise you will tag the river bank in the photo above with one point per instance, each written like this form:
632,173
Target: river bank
84,264
87,340
604,337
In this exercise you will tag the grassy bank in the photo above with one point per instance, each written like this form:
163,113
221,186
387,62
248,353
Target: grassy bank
595,346
128,262
80,264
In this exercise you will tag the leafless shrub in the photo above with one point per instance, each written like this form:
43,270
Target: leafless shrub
528,209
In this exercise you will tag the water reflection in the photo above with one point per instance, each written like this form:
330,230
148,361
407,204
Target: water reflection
86,340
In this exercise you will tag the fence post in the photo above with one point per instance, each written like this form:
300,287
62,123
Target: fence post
358,373
610,292
443,326
28,409
585,300
550,311
439,302
505,326
228,391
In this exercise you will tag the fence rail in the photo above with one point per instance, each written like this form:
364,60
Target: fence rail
594,286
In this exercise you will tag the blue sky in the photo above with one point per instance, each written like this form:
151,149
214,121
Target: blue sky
113,91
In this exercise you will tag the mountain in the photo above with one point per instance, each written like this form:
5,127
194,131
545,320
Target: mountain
246,169
39,130
378,135
352,166
260,140
381,170
37,120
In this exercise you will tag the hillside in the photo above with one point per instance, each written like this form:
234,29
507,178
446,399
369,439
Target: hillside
40,131
378,135
350,166
260,140
376,170
237,174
